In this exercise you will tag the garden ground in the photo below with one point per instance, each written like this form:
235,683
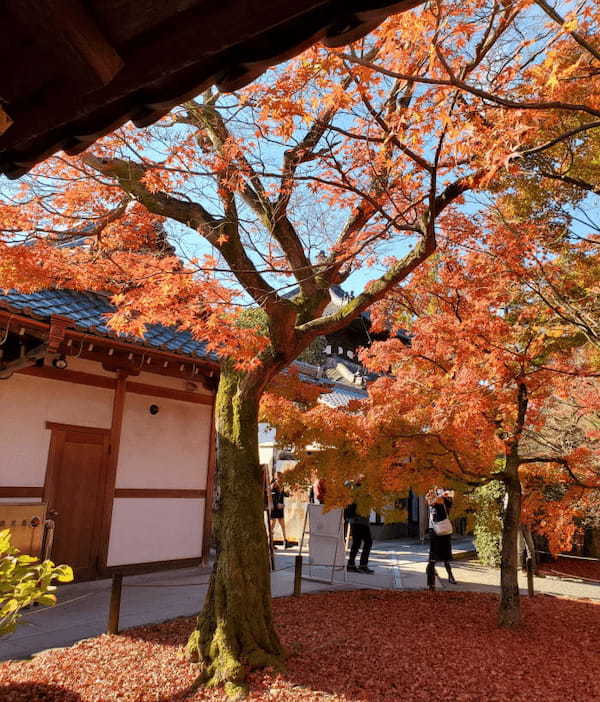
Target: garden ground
399,565
360,646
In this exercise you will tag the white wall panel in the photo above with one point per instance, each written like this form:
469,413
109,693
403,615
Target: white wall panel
20,500
165,450
145,530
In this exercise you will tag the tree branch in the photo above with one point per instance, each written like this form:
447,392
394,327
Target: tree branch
479,92
273,217
563,463
582,41
217,231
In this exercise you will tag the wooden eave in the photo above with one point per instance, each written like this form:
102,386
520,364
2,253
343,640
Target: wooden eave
75,70
112,353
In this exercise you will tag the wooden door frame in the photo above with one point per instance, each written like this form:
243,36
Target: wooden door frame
100,535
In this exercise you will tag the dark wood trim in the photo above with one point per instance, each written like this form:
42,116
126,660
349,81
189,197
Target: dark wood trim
56,441
17,319
148,351
190,494
57,426
210,490
100,381
56,334
71,376
152,567
21,491
169,393
113,460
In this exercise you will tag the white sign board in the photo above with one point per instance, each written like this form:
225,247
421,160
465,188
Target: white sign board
326,537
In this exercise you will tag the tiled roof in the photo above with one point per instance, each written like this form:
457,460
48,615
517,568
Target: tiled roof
89,313
340,394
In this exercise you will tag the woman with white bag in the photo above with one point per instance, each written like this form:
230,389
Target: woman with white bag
440,533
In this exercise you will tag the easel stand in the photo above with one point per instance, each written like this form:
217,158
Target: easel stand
324,528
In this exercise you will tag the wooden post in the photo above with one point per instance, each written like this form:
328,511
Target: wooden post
115,604
431,575
298,576
111,468
530,576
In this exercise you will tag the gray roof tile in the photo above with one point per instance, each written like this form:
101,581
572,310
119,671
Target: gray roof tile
89,312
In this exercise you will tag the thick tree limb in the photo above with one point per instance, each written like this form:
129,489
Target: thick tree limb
402,269
570,180
566,135
377,290
217,231
558,460
273,217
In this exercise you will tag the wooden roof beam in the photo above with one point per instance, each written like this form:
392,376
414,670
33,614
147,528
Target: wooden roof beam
67,29
5,120
24,361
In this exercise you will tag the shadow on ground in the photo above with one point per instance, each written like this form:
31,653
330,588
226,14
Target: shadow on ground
34,692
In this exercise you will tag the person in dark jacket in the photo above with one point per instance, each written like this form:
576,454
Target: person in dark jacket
278,496
440,545
360,531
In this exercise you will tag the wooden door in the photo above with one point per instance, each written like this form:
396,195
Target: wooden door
76,491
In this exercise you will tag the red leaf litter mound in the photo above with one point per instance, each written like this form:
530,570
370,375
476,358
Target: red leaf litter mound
365,646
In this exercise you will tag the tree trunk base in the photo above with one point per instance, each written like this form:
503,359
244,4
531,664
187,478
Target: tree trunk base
224,664
510,617
235,632
229,641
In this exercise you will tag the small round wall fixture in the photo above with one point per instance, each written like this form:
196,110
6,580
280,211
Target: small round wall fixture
153,409
60,362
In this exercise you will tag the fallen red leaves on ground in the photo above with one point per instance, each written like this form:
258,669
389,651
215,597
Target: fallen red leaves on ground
572,567
365,646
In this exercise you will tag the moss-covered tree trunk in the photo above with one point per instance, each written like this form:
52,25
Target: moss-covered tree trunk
509,614
235,630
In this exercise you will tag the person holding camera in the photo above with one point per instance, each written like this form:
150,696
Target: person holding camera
440,533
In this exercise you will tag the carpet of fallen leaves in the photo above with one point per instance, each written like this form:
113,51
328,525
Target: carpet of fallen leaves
572,567
365,646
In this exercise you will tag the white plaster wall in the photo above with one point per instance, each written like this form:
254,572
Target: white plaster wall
146,530
165,450
26,403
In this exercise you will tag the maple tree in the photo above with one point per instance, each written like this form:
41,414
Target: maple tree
329,153
478,395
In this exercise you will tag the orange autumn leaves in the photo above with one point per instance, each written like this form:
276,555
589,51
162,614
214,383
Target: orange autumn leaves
382,158
449,401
